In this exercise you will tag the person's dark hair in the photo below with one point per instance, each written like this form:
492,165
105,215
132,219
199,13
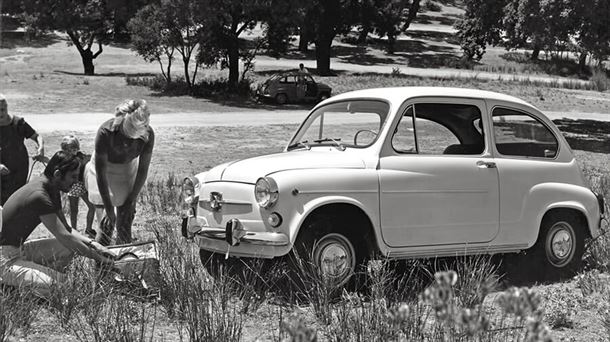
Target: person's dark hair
63,162
301,66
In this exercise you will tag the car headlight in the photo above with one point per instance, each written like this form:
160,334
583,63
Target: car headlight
189,184
266,192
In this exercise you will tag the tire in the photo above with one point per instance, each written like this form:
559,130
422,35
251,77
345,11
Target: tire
560,245
281,99
330,251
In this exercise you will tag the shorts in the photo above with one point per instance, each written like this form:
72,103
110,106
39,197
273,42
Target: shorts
78,190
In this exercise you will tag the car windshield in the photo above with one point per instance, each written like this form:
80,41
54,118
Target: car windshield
354,123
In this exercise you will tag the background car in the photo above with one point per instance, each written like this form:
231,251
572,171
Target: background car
293,87
404,173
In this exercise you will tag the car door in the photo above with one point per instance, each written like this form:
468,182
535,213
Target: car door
527,152
439,186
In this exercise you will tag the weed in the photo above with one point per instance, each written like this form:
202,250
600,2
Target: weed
600,80
477,277
91,309
86,81
206,309
162,196
18,309
396,72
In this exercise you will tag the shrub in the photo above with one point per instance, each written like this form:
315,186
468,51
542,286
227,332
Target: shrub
600,80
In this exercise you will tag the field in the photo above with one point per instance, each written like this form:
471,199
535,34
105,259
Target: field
401,301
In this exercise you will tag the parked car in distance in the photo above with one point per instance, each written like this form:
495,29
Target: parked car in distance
292,87
411,172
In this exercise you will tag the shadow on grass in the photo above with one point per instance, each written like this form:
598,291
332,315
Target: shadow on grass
552,66
586,135
107,74
18,39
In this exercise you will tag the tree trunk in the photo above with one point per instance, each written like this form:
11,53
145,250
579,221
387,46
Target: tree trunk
582,61
535,53
391,44
364,33
87,58
233,63
303,39
187,76
323,56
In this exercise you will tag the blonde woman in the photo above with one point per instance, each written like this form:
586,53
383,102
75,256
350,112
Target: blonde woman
119,167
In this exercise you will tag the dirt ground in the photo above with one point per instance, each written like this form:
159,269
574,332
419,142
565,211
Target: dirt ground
195,134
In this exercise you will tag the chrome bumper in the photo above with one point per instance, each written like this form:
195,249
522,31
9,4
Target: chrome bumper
234,233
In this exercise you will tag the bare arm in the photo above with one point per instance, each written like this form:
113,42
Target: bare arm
101,164
138,184
39,142
143,166
76,242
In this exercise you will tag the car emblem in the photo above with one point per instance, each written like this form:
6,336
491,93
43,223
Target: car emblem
215,201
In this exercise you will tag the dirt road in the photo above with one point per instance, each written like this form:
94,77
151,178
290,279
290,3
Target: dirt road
83,122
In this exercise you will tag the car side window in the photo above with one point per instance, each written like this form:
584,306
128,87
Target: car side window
403,140
288,79
519,134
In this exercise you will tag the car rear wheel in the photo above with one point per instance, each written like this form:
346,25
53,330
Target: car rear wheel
560,245
281,99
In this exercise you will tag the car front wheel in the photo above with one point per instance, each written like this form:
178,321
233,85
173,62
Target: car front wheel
560,245
330,253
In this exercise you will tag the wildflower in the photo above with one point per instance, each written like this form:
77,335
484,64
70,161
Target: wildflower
446,278
401,314
472,322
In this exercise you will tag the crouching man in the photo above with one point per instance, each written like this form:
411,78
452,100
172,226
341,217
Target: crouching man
38,263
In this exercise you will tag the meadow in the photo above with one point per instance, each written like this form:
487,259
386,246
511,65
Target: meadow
461,299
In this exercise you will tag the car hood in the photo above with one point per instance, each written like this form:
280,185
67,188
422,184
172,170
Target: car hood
251,169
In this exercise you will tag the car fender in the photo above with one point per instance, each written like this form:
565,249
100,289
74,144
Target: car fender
548,196
304,191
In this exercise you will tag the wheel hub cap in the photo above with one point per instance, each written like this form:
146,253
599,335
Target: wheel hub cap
561,244
334,260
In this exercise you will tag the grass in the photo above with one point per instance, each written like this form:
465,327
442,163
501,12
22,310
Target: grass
446,300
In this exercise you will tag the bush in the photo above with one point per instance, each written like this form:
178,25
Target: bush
600,80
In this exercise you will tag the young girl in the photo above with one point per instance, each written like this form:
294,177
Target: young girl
70,144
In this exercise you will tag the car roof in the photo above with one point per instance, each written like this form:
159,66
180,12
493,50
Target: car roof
400,94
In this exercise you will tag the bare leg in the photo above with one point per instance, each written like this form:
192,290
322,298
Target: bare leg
104,231
89,231
73,211
125,215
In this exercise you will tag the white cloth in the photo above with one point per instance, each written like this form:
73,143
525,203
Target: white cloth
121,178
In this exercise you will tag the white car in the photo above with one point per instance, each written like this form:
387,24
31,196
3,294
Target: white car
411,172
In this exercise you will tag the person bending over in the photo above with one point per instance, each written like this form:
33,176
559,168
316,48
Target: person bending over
39,263
119,167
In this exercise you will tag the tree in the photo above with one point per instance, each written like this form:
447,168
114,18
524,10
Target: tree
330,17
594,29
541,25
87,23
227,21
151,35
391,20
170,25
481,25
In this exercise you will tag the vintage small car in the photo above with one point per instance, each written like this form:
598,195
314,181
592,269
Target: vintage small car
413,172
292,87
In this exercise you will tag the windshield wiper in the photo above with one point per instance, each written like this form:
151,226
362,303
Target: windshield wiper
336,141
303,143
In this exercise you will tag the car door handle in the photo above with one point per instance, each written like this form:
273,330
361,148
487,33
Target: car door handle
486,165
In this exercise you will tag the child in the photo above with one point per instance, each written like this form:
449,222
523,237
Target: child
71,145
